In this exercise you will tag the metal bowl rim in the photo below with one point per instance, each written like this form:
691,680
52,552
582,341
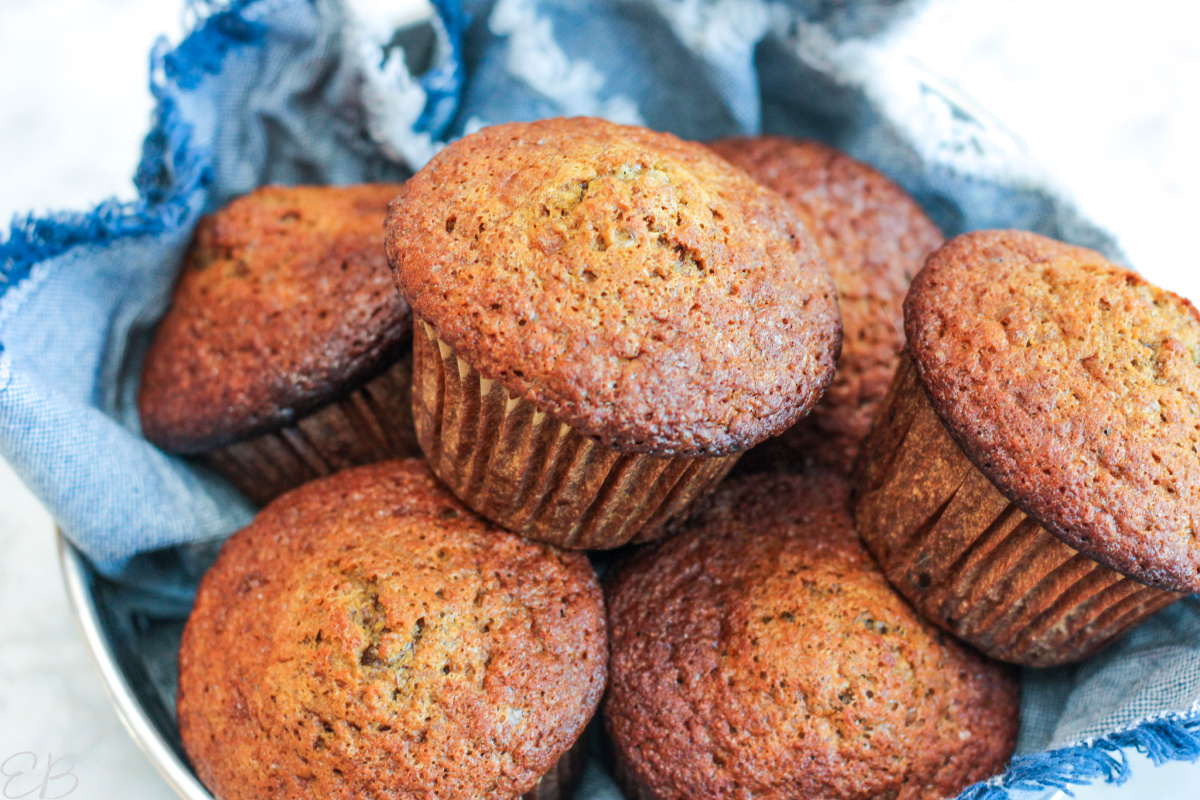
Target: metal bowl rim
78,578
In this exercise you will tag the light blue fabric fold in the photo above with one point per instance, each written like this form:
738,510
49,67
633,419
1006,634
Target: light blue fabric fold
291,91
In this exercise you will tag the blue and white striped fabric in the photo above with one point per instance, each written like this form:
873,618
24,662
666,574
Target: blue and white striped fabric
317,91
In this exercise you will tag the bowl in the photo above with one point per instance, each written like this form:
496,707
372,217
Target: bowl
136,653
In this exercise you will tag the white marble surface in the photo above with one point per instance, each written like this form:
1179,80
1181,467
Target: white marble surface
1105,94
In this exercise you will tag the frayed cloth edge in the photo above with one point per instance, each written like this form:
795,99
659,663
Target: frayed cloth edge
1170,736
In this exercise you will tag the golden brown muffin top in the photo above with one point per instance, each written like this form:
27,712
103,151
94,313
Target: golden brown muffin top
874,238
368,636
762,654
631,284
284,304
1073,385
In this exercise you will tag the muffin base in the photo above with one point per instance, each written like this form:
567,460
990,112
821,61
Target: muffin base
372,424
970,559
563,778
530,472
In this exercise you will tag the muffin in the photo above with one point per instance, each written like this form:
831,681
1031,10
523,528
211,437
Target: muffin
762,654
874,238
286,352
368,636
1032,483
606,317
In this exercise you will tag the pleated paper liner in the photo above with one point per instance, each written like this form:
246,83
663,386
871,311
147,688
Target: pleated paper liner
533,474
972,561
371,424
562,779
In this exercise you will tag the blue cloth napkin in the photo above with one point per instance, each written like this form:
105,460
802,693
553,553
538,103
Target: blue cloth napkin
289,91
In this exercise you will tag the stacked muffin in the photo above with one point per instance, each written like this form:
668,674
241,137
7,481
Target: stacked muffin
874,239
368,636
610,316
604,319
285,353
1031,481
761,653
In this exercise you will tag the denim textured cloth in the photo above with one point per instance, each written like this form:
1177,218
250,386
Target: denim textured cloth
290,91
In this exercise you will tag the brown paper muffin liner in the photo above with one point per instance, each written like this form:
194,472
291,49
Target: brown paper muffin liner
562,779
372,424
971,560
533,474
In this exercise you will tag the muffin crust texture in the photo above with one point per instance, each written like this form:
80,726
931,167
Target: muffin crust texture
633,285
874,238
284,304
1072,384
762,654
368,636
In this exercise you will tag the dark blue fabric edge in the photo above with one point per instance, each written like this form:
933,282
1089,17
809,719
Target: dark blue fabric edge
444,83
1171,737
170,170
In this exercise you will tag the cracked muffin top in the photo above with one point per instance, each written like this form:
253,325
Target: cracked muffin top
874,239
762,654
285,303
633,285
1073,385
368,636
